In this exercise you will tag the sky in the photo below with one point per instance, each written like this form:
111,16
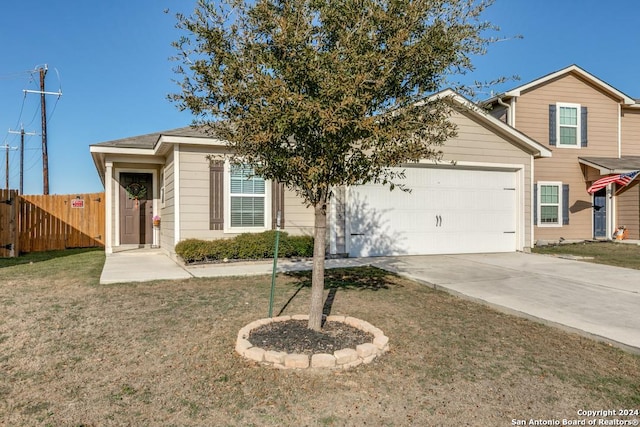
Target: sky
110,60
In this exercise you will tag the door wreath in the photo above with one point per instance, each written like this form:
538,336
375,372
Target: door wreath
136,191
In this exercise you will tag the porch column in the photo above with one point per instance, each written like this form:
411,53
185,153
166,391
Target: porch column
611,213
108,197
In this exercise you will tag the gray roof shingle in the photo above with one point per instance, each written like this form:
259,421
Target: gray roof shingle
615,165
149,140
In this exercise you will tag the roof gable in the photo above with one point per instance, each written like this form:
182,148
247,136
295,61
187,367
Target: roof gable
520,139
572,69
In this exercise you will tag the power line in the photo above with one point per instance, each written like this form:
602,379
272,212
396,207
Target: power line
22,134
15,75
34,157
7,147
43,111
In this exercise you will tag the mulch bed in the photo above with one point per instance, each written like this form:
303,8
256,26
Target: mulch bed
293,336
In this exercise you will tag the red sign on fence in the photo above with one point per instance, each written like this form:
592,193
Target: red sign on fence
77,203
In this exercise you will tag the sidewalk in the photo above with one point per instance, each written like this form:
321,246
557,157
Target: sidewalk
142,265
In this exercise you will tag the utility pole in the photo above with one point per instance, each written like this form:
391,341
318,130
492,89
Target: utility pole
7,163
45,155
22,134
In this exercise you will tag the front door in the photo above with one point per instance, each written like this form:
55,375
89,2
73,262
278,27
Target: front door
600,214
136,208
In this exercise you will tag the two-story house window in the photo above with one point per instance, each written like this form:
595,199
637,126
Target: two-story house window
551,204
567,125
568,129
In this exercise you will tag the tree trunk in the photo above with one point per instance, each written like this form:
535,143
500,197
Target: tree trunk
317,275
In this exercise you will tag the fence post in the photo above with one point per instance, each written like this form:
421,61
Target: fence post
15,223
9,203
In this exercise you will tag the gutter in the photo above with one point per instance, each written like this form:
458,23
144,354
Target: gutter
507,106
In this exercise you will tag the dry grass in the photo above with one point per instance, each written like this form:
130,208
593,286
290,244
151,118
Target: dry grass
74,353
611,253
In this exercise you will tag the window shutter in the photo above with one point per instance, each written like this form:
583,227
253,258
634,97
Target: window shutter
583,126
216,195
277,204
535,204
552,124
565,204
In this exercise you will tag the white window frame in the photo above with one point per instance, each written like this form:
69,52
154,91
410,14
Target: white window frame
558,184
578,125
227,206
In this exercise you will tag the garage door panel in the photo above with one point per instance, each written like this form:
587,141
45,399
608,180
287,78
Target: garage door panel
448,211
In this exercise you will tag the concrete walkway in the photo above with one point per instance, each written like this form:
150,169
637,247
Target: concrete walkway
595,300
143,265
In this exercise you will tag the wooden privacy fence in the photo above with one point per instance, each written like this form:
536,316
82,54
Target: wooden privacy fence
8,222
38,223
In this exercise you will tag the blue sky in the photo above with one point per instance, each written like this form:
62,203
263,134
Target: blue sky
110,59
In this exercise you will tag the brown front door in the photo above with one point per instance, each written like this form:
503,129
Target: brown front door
136,208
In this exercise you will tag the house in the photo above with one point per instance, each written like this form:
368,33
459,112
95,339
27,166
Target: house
181,176
477,199
593,130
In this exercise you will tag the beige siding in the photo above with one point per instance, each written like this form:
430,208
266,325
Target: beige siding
477,144
167,209
630,132
629,210
299,218
194,199
533,119
194,193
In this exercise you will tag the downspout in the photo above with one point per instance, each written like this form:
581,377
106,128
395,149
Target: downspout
508,107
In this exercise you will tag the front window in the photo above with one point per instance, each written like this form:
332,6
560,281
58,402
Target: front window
549,204
247,198
568,125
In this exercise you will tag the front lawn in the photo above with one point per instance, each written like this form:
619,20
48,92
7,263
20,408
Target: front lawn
74,353
611,253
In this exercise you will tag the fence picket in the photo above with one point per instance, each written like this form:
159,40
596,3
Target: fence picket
44,223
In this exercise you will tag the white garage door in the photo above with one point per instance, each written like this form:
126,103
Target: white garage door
448,211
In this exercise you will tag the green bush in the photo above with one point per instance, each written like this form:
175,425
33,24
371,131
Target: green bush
245,246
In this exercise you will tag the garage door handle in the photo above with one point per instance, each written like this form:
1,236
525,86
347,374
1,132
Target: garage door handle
438,221
509,232
357,234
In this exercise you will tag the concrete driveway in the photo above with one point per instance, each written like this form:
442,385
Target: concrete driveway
595,300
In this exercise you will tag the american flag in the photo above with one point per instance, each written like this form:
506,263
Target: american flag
622,179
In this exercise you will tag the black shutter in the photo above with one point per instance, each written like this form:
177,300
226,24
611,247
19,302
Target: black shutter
277,204
535,204
583,126
565,204
216,195
552,124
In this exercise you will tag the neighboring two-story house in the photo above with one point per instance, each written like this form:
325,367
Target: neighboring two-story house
593,130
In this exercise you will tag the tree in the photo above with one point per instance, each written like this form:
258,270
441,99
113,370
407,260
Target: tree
318,94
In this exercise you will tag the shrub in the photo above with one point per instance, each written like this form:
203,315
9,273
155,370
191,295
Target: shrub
245,246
